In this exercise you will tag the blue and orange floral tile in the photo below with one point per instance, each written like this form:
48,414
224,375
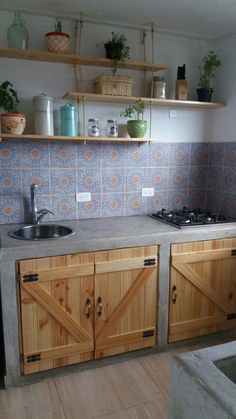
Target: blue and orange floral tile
197,199
230,155
35,154
89,155
89,180
199,154
64,207
63,154
11,210
91,209
177,199
10,182
113,155
216,154
10,155
40,177
113,180
158,154
63,181
197,177
179,154
136,155
214,200
157,202
229,204
135,204
158,178
112,204
215,178
136,179
229,179
179,177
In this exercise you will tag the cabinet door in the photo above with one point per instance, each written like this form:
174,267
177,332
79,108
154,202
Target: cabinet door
125,300
56,304
202,288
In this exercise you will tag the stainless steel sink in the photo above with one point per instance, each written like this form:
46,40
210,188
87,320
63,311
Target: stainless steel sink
40,232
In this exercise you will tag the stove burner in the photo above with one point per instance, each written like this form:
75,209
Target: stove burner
186,217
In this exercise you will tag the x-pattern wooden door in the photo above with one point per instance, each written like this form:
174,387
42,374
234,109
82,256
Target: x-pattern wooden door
202,288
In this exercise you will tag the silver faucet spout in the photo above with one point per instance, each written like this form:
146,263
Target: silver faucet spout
37,215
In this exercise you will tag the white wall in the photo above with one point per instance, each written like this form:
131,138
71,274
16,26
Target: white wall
31,78
224,123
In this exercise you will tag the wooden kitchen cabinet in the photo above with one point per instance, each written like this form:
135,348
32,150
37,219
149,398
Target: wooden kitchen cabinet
75,308
202,288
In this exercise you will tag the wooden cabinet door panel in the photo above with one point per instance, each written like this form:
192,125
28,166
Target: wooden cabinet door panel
125,300
202,288
56,318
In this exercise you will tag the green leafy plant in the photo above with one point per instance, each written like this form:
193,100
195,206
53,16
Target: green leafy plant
8,97
210,63
117,50
137,109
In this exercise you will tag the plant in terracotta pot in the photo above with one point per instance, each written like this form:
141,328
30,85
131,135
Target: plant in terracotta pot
12,122
210,63
136,127
117,50
58,41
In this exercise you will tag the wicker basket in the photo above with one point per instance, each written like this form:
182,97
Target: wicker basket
113,85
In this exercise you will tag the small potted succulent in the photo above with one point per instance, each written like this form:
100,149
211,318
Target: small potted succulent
12,122
210,63
117,50
136,127
58,41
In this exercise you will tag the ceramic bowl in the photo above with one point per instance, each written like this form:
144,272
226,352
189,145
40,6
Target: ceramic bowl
13,123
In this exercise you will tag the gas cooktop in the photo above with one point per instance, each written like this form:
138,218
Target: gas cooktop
187,217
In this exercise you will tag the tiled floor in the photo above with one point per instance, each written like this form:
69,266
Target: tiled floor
133,389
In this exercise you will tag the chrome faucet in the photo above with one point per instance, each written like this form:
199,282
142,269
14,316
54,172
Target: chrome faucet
37,215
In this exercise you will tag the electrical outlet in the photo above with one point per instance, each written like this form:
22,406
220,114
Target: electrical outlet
83,196
175,113
147,192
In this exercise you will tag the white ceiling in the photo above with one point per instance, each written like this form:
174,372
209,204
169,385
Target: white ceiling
206,18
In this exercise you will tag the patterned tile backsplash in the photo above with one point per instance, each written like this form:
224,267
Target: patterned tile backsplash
182,174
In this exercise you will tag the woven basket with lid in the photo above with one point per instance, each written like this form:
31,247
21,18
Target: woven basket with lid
114,85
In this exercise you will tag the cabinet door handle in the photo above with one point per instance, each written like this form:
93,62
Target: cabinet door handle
99,306
174,294
88,308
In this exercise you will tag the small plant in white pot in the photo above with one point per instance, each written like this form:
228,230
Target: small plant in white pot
12,122
136,127
58,41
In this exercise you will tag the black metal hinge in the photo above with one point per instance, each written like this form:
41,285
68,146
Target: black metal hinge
149,262
148,333
33,358
231,316
30,277
233,252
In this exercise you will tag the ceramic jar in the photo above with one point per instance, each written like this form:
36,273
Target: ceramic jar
13,123
57,42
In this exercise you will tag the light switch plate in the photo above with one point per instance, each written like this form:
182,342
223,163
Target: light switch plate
175,113
147,192
83,196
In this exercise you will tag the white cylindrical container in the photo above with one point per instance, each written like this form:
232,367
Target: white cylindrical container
158,87
43,115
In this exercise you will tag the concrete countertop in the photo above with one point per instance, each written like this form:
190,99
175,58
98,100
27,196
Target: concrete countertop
108,233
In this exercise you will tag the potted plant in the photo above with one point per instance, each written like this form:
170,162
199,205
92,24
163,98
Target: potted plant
11,121
117,50
58,41
136,127
210,63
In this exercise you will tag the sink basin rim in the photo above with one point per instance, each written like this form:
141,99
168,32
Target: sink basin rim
56,230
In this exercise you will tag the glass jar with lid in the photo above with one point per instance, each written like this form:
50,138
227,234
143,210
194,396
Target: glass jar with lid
158,87
93,127
112,128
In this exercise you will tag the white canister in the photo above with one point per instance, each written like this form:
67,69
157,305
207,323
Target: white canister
43,115
158,88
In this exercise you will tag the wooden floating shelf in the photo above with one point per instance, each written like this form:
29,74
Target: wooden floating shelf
67,138
171,103
75,59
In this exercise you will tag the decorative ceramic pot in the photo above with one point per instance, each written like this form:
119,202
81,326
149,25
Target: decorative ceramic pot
57,42
136,128
13,123
204,95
